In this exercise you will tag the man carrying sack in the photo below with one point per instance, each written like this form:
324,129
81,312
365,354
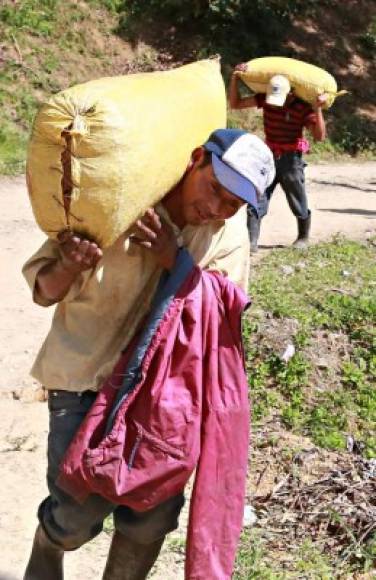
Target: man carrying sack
102,298
285,117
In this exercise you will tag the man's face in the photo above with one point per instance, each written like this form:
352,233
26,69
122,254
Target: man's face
204,199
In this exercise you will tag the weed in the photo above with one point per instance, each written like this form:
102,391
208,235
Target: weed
311,563
368,39
177,544
33,67
111,5
34,15
250,562
51,62
355,133
12,144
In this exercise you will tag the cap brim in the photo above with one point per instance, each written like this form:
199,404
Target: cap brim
234,182
276,100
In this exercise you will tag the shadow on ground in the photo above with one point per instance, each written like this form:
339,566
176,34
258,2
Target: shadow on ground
347,185
356,211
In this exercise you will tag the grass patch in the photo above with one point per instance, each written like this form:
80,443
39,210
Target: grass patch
250,562
12,146
254,563
329,292
48,46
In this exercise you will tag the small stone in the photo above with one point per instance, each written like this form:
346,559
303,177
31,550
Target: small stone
350,441
287,270
289,353
249,516
30,394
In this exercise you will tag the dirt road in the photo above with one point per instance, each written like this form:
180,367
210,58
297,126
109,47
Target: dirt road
343,200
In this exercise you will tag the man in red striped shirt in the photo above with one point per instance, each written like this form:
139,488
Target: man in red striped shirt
285,118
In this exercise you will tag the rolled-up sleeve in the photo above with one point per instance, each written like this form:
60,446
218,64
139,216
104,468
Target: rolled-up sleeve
46,254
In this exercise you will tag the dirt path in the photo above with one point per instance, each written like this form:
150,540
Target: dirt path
343,200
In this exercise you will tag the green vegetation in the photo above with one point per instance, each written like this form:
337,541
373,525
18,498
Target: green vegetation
368,39
322,301
330,295
215,21
354,135
49,45
239,30
252,563
46,46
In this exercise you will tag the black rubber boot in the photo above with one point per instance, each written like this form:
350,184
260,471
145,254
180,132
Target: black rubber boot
304,227
253,223
130,561
46,560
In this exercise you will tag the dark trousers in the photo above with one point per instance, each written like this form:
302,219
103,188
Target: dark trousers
290,175
70,524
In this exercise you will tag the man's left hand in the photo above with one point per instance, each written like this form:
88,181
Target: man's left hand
321,100
155,234
241,67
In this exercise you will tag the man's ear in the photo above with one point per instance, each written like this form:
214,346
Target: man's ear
197,157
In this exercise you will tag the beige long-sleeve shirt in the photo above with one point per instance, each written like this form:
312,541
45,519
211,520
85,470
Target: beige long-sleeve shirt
104,306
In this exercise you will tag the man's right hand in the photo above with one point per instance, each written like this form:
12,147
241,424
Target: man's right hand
77,253
236,101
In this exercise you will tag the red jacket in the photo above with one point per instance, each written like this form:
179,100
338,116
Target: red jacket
187,408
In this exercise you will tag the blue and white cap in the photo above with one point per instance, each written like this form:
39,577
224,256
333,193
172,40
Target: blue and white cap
242,163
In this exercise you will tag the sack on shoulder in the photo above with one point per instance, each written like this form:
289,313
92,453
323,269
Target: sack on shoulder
306,80
104,151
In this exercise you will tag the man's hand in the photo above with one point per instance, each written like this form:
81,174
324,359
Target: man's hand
77,254
241,67
236,101
155,234
318,129
321,100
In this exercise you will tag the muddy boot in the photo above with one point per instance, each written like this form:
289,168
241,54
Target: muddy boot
304,226
253,223
130,561
46,560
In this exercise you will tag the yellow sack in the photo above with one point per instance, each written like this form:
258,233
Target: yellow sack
102,152
306,80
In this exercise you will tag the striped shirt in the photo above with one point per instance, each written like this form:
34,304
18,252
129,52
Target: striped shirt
284,125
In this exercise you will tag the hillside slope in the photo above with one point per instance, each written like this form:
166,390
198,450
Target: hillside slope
47,45
342,39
